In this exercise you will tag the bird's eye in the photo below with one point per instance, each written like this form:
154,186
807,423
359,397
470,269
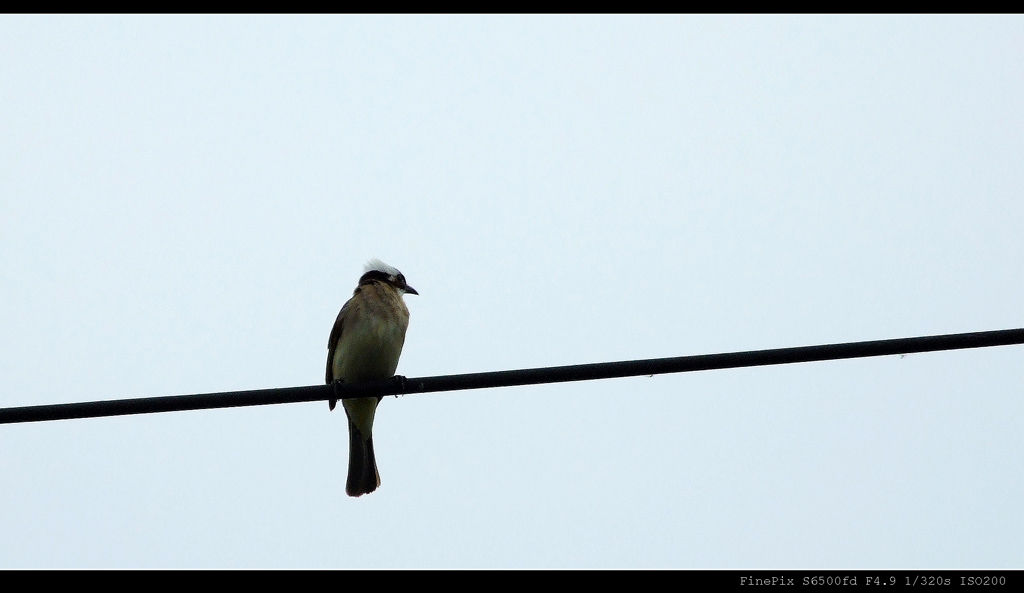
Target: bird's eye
401,279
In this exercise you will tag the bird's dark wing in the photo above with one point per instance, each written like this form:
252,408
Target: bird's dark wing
332,342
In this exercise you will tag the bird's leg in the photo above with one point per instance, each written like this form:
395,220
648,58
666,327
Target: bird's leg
399,381
336,385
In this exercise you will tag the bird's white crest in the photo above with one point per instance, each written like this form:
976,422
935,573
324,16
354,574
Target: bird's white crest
379,266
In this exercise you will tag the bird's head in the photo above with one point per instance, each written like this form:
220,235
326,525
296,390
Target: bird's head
380,271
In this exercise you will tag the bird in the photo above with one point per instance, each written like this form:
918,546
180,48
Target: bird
365,344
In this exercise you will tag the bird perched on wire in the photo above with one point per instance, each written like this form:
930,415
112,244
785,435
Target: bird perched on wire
365,344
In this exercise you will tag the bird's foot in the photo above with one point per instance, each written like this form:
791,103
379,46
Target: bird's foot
336,385
400,382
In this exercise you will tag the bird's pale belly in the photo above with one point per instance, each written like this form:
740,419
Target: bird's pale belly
370,354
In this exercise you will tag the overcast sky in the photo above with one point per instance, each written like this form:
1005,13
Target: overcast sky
186,203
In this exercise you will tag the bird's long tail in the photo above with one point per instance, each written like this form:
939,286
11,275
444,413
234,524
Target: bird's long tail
362,467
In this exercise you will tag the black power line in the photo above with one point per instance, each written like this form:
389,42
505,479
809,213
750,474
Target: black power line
579,372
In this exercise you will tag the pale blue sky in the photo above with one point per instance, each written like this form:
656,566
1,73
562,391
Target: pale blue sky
186,202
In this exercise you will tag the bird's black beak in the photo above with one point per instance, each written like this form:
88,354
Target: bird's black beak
410,290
